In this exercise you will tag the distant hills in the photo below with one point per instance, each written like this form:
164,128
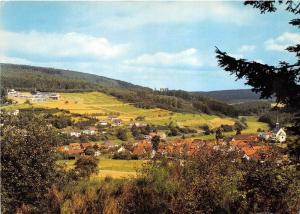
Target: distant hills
24,77
231,96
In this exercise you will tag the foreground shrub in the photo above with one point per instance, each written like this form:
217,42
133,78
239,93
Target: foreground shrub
154,191
28,166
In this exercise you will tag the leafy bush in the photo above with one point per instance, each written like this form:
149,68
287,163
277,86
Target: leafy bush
226,128
122,134
85,167
124,155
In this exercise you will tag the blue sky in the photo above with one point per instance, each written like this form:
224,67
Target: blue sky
158,44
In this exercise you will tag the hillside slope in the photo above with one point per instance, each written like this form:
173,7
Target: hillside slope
100,105
23,77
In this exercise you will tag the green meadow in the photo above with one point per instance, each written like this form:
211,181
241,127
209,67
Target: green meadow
102,105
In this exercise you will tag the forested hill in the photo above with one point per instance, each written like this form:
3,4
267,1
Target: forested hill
232,96
23,77
50,79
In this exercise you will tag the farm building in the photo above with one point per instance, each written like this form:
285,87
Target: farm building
54,96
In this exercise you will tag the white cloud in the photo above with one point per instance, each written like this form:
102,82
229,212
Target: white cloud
144,13
246,48
281,42
59,45
236,55
14,60
187,59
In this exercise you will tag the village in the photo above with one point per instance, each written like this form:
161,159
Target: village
250,146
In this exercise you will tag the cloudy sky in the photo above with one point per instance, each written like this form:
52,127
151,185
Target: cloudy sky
158,44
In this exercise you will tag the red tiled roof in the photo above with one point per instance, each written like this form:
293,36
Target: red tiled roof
142,147
87,144
239,143
74,144
254,152
61,149
249,137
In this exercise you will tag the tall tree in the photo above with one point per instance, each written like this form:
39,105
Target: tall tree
155,142
281,81
27,162
219,134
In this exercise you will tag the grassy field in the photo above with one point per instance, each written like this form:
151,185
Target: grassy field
253,125
99,103
108,167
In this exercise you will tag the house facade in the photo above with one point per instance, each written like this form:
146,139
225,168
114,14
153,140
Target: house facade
279,135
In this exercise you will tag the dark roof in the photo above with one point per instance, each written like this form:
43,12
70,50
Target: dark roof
276,129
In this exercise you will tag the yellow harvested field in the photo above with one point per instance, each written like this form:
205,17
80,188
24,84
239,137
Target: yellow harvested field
114,174
103,105
216,122
110,167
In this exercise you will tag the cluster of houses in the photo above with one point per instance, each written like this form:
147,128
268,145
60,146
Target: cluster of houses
90,131
248,145
114,122
37,97
14,112
277,135
252,146
75,150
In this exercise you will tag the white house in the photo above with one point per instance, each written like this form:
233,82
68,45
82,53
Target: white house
16,112
89,132
97,153
121,149
75,134
12,92
278,134
103,123
147,137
